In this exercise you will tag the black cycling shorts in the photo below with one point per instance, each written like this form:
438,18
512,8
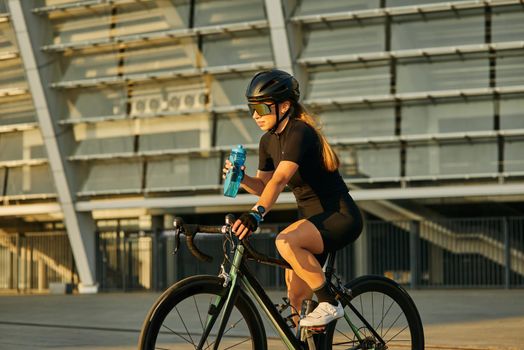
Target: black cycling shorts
338,220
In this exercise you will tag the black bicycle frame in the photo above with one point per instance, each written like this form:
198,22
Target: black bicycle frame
241,277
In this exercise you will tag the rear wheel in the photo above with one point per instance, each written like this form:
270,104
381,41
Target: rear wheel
178,318
393,321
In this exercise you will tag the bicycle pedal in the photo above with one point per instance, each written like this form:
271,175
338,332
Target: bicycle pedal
308,332
317,329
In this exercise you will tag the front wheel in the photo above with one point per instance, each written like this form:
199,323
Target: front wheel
178,318
391,318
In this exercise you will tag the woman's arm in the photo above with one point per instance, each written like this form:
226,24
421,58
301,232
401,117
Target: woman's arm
285,170
279,180
255,185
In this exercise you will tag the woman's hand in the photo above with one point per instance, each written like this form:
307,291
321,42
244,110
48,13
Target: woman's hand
228,165
246,224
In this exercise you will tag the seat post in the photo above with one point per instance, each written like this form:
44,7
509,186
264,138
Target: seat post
329,266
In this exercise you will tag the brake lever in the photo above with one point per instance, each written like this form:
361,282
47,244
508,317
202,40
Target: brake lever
178,224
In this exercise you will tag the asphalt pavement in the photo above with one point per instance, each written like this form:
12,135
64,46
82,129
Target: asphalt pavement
453,319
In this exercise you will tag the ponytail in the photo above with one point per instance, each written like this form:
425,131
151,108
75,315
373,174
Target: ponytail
329,157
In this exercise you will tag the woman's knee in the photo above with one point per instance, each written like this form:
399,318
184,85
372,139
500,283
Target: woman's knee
285,244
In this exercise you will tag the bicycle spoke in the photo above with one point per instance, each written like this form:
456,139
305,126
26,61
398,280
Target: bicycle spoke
381,325
400,314
393,337
187,330
199,317
176,333
383,316
242,342
362,312
225,332
372,311
351,340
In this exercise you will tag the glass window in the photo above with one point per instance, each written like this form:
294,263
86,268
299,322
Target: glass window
21,145
30,180
161,57
82,27
134,18
8,41
183,171
217,12
311,7
341,39
182,131
112,176
447,117
93,102
237,128
105,145
369,162
170,140
89,64
245,47
443,75
359,81
436,32
508,26
16,110
512,113
452,159
513,160
151,16
12,75
358,122
510,70
228,90
394,3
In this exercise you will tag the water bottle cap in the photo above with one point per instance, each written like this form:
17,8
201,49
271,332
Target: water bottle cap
238,148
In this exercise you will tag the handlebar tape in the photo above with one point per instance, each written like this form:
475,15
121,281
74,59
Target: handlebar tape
191,230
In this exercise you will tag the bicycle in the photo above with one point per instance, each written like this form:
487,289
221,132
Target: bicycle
394,323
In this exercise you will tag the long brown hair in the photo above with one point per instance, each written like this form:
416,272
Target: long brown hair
329,157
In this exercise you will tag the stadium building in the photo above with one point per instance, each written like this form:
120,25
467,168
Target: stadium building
117,115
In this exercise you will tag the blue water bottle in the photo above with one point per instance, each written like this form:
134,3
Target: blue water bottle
234,175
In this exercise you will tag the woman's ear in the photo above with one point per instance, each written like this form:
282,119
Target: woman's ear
284,106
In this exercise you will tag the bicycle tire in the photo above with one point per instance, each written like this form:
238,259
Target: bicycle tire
389,296
179,295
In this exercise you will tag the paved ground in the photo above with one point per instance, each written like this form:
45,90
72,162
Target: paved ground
453,319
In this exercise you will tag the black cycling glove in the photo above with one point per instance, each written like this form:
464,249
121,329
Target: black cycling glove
251,220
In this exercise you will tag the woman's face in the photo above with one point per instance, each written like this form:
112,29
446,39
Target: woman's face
264,113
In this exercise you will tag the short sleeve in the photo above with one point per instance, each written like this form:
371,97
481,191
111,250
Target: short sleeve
299,143
265,162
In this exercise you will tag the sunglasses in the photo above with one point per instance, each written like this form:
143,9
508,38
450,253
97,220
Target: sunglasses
261,108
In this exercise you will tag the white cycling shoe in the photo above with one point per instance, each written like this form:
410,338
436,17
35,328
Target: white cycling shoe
323,314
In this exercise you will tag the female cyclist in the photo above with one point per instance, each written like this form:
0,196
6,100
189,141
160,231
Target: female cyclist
294,152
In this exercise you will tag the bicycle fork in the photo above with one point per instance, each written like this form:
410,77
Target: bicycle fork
226,302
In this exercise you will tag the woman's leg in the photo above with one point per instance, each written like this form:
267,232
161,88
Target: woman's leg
297,290
297,244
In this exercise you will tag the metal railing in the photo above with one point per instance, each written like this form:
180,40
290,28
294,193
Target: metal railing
29,261
451,253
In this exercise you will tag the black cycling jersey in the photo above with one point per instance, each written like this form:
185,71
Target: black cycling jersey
322,196
299,143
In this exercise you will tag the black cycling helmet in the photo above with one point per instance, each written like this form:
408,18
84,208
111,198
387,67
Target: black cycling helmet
272,85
